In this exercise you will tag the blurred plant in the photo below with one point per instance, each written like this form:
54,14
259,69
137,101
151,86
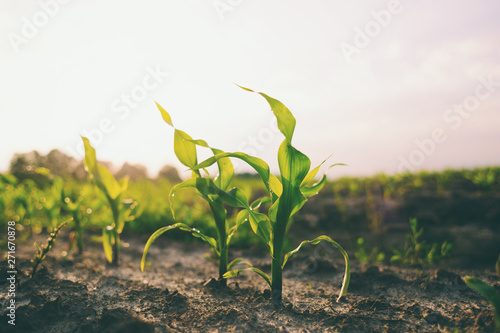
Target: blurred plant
362,255
42,252
72,203
113,190
374,217
489,292
50,199
418,252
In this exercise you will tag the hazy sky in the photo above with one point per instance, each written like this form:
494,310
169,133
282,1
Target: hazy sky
385,86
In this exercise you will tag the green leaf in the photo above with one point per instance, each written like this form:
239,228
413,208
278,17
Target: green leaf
275,186
488,292
90,159
9,179
259,222
103,178
112,187
240,219
226,169
235,197
106,244
183,227
294,167
258,164
309,191
191,182
238,261
258,202
184,148
234,273
124,183
347,274
286,120
164,114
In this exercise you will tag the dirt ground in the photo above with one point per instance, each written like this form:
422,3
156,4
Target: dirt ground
176,294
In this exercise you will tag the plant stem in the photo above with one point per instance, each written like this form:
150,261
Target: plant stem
115,246
223,264
276,278
79,232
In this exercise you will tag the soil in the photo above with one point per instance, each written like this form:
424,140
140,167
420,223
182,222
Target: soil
177,293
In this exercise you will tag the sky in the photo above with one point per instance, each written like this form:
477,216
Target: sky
384,86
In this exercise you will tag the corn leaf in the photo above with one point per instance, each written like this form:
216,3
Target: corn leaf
259,222
275,187
311,174
238,261
236,272
191,182
103,178
226,169
106,244
488,292
347,274
90,159
258,164
164,114
112,187
184,149
309,191
183,227
286,120
294,167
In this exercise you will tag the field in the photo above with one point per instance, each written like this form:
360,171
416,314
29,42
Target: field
421,291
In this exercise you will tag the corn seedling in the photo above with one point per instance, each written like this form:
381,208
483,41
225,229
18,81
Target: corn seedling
418,252
286,198
362,255
50,202
73,206
113,191
42,251
488,292
212,190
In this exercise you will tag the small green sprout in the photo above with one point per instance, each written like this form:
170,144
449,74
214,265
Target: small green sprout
42,252
286,197
362,255
212,190
488,292
113,190
50,201
418,252
73,203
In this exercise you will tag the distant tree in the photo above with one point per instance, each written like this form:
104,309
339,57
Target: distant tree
23,166
135,172
79,172
169,172
59,163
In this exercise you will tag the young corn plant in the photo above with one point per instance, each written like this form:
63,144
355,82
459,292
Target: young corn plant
72,203
43,251
113,190
489,292
417,252
286,198
50,202
211,190
374,256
